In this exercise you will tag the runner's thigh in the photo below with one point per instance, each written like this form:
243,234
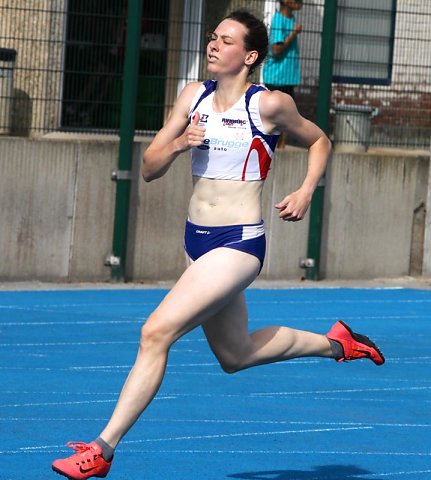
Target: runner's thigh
208,285
227,330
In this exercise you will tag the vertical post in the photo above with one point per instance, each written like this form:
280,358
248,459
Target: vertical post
426,262
127,131
322,120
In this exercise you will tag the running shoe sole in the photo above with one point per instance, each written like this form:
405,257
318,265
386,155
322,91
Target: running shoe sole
58,472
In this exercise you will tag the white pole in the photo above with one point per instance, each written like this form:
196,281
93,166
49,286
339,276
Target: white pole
190,54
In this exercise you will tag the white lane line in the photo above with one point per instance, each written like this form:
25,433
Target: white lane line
219,422
253,319
347,390
244,434
207,437
80,402
284,452
65,344
60,448
72,322
281,301
230,395
249,395
395,474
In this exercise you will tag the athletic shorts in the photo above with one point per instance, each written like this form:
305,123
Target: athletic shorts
249,238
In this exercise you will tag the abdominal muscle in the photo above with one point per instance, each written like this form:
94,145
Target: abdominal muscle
225,202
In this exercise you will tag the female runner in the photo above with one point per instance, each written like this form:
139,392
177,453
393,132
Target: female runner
231,127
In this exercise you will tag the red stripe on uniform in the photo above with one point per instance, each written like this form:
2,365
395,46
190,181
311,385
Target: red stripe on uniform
264,159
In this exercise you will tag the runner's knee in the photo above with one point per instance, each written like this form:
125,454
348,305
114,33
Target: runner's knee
154,334
230,363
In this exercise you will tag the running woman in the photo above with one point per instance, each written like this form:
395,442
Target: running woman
231,127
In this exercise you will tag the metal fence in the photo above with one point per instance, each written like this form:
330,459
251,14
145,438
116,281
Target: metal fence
68,70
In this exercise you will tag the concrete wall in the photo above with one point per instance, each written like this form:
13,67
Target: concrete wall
57,212
158,212
57,205
370,228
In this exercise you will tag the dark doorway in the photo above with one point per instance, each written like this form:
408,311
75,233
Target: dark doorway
94,60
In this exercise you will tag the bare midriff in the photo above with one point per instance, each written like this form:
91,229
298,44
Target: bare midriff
225,202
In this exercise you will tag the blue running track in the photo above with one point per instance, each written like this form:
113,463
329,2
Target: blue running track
65,354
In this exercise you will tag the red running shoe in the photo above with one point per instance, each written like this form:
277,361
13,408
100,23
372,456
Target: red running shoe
87,462
354,345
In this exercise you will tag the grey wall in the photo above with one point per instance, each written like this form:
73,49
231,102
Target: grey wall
57,204
370,216
57,211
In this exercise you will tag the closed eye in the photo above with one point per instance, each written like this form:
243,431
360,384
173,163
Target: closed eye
212,37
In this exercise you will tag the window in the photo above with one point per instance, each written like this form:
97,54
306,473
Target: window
364,41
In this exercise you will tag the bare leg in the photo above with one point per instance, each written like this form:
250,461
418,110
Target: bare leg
236,349
205,287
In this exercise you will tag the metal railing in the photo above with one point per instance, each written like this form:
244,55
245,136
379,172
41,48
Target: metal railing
67,75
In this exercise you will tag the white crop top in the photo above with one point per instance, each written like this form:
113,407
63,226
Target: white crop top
235,145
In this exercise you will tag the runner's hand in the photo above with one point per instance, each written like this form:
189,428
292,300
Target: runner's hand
195,133
294,207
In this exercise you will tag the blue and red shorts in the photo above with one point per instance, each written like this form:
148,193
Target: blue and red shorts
249,238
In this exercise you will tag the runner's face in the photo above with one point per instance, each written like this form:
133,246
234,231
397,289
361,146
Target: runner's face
225,50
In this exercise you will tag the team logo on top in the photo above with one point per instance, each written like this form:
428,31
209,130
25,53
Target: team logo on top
231,122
